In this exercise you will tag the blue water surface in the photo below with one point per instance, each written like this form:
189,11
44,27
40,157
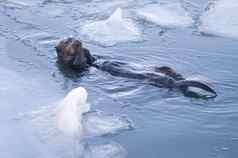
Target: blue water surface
166,124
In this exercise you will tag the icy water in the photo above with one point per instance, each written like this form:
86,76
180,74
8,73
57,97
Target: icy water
165,123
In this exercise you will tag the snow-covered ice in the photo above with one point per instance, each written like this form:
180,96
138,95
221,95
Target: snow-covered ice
221,19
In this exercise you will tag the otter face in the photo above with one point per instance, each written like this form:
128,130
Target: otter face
70,52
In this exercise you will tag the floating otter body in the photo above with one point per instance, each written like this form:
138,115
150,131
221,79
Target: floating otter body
72,54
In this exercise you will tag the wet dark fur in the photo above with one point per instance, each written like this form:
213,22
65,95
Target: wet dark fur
72,54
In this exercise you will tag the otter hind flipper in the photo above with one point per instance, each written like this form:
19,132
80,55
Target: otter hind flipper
185,84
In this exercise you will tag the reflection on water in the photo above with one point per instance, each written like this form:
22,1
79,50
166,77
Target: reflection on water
167,123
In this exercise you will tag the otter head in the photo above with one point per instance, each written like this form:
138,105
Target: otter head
70,52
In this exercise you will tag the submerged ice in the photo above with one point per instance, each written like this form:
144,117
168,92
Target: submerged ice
113,30
221,19
166,14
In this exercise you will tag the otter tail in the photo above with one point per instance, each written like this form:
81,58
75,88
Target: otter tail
184,84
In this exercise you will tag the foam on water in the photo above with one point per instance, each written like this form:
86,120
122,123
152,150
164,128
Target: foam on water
70,110
221,19
166,14
113,30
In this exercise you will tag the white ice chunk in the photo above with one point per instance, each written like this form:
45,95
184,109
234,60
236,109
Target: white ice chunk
221,19
99,124
107,150
113,30
168,15
70,110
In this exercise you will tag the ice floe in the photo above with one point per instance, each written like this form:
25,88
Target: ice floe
221,19
166,14
113,30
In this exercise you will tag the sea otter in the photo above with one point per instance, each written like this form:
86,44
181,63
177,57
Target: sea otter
72,54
